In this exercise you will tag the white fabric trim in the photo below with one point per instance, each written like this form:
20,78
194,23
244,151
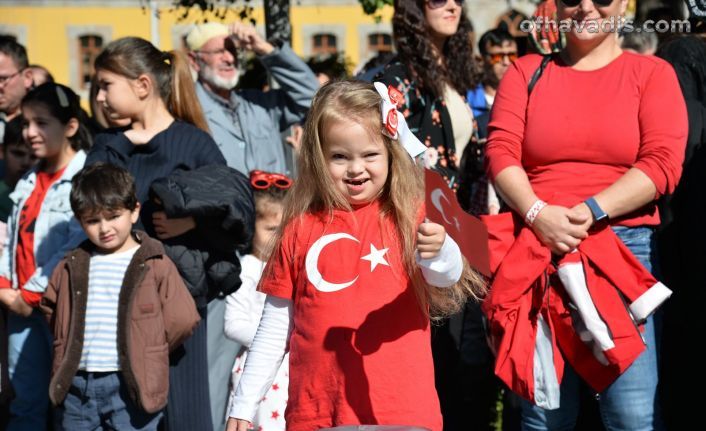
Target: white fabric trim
573,278
446,268
264,357
546,385
649,301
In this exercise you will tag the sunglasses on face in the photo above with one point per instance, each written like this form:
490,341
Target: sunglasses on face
499,57
599,3
436,4
261,180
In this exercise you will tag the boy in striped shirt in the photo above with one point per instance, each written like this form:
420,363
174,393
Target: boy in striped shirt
117,307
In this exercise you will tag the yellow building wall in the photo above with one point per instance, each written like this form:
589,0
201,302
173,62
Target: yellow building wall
47,40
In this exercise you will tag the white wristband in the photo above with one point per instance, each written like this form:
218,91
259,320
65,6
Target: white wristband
534,211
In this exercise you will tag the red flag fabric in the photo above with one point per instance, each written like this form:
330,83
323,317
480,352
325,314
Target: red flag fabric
469,232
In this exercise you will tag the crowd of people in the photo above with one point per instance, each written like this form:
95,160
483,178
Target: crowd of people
219,249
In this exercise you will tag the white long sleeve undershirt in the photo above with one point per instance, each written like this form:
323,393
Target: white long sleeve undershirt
270,343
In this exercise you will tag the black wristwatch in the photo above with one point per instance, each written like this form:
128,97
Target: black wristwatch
598,214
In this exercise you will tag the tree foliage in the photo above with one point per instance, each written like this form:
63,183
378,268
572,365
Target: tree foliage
373,7
243,8
217,9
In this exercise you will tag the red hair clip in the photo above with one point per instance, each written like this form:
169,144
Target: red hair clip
391,124
262,180
396,96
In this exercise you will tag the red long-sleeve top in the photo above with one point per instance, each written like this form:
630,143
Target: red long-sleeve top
582,130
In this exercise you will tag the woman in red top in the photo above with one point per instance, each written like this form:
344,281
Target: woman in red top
600,137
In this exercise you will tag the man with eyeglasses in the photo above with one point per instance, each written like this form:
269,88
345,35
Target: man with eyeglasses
498,50
15,79
247,124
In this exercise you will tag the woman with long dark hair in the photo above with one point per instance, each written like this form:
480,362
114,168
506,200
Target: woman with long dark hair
433,72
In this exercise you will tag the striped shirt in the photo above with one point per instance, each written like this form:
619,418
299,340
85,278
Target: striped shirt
105,279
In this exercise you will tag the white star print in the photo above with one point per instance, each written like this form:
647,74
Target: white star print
376,257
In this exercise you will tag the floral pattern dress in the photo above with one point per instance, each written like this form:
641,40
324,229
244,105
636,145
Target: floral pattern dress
428,118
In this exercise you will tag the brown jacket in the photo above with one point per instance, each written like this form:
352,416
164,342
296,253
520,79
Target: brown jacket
155,314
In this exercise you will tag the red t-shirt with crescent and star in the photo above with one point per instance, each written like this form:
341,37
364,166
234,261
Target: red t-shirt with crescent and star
360,349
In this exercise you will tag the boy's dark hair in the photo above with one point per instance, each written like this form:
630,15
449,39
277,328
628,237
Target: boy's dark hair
13,134
14,50
494,37
102,187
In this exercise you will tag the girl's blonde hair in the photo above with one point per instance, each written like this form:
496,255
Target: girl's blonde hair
401,197
132,56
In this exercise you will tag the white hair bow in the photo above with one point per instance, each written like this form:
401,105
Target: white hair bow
394,124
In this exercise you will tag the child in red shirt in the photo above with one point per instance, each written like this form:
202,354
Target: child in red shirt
354,277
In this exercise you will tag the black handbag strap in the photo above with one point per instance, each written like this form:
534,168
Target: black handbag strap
538,73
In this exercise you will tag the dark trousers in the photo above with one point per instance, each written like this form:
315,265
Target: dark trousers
189,406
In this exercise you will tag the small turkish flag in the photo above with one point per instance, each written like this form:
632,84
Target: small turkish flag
469,232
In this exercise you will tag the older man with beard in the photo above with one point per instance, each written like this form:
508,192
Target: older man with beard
247,124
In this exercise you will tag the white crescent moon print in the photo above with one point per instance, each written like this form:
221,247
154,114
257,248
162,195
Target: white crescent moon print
436,196
312,263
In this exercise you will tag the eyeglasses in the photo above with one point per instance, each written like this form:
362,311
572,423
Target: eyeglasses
599,3
262,180
5,79
217,52
499,57
436,4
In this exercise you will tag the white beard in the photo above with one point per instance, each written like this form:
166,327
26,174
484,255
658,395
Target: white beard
213,79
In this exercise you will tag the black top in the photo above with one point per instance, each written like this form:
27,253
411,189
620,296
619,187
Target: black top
180,146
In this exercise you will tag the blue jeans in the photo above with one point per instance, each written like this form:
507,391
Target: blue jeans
29,365
100,401
629,403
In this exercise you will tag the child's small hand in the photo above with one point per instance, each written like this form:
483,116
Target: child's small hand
237,425
166,228
430,238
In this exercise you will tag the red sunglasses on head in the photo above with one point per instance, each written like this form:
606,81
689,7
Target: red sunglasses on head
262,180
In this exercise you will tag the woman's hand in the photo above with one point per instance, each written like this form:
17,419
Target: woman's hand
7,296
246,37
13,301
430,238
562,229
234,424
166,228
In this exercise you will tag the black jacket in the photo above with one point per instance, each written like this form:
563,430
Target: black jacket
220,200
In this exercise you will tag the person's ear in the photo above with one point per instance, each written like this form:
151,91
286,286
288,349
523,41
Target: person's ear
27,78
71,128
143,86
135,214
193,61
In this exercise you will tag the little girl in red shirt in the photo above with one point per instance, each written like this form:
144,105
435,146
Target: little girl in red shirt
355,276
